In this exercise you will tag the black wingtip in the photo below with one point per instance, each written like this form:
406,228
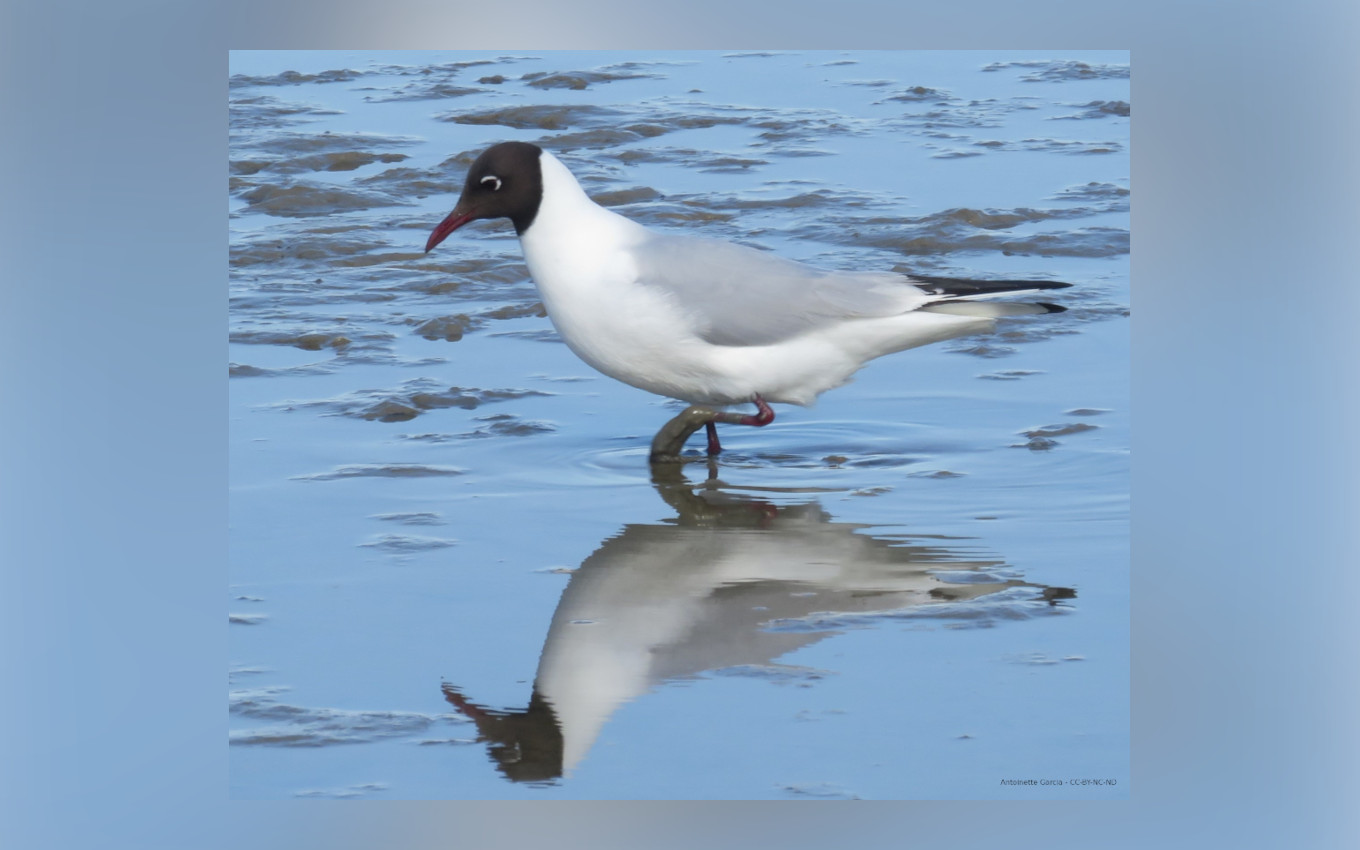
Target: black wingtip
1053,308
960,287
1027,284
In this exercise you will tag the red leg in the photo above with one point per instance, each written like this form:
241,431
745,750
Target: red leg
714,447
764,415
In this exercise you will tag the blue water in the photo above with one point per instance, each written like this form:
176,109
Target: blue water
917,589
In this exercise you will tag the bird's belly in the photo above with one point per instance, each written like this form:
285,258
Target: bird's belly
636,338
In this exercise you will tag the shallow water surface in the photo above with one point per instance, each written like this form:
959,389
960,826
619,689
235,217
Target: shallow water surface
455,575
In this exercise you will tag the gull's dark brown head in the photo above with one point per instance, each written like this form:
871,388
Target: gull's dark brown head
506,181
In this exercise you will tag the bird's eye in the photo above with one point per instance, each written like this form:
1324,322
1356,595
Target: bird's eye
493,181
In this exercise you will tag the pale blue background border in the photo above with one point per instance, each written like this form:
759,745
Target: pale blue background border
113,426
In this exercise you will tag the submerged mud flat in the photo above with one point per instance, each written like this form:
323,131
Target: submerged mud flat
454,574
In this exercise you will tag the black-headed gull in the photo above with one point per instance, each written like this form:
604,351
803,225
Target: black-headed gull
705,321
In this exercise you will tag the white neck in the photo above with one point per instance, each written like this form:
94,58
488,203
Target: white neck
560,187
571,232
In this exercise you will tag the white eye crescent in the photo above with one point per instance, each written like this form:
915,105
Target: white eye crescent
493,180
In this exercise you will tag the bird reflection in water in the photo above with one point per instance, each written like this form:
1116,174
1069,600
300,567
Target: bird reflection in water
698,593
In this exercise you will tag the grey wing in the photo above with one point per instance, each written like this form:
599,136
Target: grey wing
735,295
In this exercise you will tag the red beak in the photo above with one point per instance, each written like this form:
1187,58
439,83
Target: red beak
455,220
